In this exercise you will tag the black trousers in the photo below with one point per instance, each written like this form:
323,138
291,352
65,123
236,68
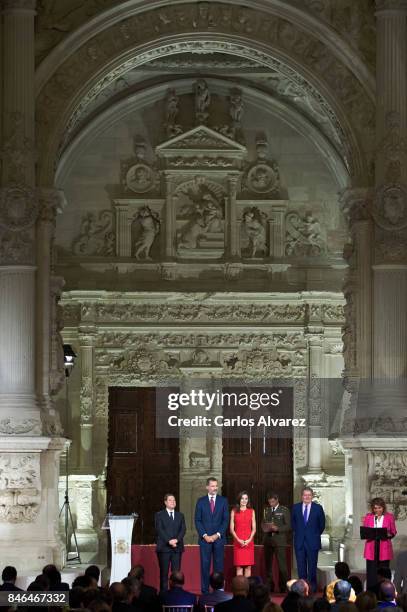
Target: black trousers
165,560
371,572
280,552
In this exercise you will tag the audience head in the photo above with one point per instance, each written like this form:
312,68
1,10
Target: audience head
321,605
99,605
76,597
342,570
9,574
300,587
52,573
240,586
86,582
342,590
366,601
133,586
217,581
260,596
41,583
387,591
118,592
347,606
356,584
177,579
137,571
93,571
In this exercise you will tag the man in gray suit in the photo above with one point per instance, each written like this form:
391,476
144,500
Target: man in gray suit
400,574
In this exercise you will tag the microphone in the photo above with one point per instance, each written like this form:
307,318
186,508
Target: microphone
375,520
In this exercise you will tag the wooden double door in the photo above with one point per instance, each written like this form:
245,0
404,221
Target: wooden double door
141,466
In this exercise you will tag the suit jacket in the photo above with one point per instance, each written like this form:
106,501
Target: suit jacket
148,598
177,597
308,534
211,599
208,522
236,604
9,586
167,529
386,548
400,574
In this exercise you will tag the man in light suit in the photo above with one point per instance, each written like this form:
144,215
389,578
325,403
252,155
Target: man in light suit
307,523
170,529
211,521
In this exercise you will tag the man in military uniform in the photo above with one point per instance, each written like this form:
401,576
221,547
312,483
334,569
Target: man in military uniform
275,525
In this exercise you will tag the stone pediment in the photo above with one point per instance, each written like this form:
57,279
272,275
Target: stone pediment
201,139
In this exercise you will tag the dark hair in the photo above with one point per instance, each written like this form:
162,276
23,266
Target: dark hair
76,596
272,495
238,499
177,578
378,501
137,571
167,495
356,583
342,570
217,580
9,574
93,571
321,605
260,595
52,573
366,601
82,581
211,479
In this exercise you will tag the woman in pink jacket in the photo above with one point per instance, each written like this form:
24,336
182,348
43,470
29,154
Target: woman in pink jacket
378,517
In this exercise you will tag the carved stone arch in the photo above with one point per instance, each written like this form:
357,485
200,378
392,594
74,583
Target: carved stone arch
130,101
111,52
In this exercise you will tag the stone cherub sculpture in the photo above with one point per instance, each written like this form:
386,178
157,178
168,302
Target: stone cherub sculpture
254,227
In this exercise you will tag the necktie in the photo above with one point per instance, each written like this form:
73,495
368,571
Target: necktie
172,515
305,515
212,505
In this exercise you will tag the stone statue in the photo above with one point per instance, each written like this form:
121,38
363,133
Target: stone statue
150,226
206,216
236,108
96,235
254,227
171,114
202,101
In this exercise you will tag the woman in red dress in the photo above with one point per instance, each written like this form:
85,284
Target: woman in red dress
243,529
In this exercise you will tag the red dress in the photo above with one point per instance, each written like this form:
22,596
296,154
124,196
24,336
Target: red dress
243,555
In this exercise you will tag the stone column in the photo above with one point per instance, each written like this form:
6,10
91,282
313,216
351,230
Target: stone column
231,237
123,229
18,214
315,372
87,344
390,203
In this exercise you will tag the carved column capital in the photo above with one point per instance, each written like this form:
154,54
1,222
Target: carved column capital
355,204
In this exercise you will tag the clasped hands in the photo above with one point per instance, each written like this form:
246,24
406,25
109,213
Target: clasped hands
173,542
211,538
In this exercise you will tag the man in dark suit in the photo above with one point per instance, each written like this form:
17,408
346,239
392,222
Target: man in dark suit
239,601
307,522
9,577
211,521
176,595
170,529
217,582
400,574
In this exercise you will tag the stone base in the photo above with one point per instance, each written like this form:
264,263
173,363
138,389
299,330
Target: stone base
29,467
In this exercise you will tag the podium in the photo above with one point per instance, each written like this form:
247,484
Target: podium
376,534
121,530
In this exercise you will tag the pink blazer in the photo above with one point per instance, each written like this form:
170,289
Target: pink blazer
386,548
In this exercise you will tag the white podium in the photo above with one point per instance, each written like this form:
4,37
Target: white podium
121,529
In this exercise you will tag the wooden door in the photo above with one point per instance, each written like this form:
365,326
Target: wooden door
141,467
258,465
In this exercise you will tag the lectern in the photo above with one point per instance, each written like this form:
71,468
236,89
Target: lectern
121,530
376,534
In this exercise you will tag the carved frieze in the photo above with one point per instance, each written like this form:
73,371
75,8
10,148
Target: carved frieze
20,487
304,236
